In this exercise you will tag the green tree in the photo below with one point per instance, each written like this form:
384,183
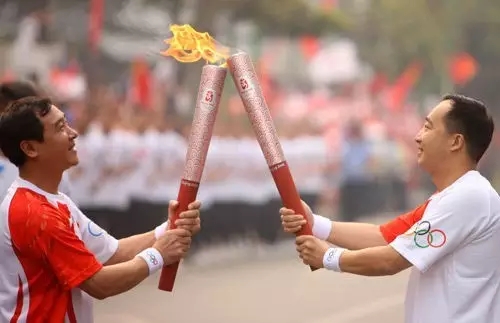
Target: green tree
393,33
290,17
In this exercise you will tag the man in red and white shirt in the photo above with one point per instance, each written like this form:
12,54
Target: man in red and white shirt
53,258
451,240
11,91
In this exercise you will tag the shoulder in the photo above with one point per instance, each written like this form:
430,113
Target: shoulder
32,214
470,195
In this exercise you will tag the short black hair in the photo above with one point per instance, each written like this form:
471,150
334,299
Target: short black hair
470,118
19,122
15,90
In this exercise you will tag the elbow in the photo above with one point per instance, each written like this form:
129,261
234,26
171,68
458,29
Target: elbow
100,296
390,271
98,293
391,268
97,288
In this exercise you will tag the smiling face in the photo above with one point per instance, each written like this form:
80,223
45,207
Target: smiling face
435,143
57,150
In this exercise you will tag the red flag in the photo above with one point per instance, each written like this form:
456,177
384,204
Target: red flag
141,84
463,67
309,46
95,23
399,91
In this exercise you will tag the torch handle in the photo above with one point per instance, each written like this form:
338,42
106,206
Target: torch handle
289,195
187,194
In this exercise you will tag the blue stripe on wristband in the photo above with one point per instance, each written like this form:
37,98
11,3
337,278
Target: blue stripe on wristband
153,258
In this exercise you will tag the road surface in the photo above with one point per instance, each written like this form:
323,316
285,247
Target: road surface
258,285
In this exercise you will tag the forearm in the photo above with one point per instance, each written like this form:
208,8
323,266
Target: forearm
116,279
356,236
131,246
368,262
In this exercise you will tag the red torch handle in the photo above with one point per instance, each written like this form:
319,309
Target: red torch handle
187,194
289,195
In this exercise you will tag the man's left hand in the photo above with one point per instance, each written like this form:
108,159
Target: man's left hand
311,250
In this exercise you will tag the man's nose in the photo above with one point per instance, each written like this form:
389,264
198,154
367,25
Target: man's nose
418,137
72,133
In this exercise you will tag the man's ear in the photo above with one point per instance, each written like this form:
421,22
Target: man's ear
457,142
29,148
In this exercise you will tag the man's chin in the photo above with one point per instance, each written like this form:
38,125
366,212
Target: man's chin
421,162
73,162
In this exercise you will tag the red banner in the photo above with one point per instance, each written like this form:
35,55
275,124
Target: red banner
96,14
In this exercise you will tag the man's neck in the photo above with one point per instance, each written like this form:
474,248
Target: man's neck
47,181
449,175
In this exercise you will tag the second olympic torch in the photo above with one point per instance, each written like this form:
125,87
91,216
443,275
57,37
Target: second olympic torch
246,81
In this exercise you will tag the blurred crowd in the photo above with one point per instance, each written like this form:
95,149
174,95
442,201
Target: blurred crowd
349,143
132,160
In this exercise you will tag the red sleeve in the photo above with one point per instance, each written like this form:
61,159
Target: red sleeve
58,245
392,229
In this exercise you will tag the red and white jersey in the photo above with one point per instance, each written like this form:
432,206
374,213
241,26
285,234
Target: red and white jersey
48,247
452,241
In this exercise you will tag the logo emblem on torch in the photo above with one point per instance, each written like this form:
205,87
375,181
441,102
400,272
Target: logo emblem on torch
209,97
243,84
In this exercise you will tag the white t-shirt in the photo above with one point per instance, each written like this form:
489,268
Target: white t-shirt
85,175
454,249
114,166
48,247
168,155
142,174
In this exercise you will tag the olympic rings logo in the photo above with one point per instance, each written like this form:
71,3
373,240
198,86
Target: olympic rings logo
152,258
424,236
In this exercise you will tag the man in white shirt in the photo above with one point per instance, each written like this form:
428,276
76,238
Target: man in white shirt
53,257
451,240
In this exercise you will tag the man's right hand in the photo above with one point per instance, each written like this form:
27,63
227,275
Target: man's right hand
173,245
293,222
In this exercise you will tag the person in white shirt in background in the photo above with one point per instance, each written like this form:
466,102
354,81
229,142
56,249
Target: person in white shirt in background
451,240
11,91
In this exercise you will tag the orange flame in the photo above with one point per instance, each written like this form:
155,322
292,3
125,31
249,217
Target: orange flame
188,45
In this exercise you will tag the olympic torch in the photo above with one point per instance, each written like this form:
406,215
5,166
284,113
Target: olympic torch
188,46
246,81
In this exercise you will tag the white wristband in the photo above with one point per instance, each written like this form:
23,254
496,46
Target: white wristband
322,227
160,230
331,259
153,258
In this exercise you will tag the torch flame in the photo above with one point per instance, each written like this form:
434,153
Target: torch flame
188,45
